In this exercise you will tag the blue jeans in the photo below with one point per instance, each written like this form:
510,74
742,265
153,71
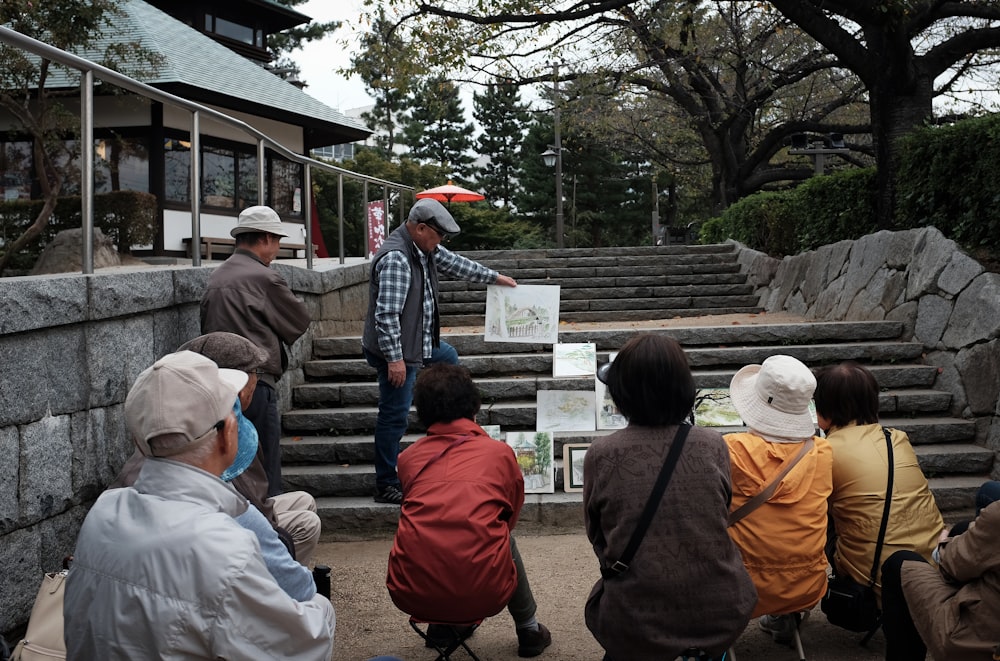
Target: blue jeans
394,410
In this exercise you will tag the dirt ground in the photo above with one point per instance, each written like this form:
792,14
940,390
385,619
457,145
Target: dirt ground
561,569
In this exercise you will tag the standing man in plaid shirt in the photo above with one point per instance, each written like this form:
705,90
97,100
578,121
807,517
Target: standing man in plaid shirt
403,330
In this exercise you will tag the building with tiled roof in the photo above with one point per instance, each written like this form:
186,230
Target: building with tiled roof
212,52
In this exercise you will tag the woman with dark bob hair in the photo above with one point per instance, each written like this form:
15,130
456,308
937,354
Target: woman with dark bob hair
454,560
686,587
847,410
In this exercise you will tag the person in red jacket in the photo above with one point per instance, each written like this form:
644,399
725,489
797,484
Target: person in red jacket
454,560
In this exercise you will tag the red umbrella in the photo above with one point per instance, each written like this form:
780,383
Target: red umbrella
450,193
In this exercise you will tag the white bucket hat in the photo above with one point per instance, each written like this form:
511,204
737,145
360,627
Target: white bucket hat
258,219
773,398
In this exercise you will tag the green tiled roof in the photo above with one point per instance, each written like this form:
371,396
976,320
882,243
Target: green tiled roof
190,58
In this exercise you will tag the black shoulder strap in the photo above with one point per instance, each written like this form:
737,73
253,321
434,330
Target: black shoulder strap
885,509
621,566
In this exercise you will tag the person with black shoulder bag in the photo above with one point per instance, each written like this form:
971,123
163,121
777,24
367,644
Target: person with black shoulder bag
656,500
875,473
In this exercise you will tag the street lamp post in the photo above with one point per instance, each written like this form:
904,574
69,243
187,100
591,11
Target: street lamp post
553,156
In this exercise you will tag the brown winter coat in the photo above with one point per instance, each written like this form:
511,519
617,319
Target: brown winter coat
957,609
686,586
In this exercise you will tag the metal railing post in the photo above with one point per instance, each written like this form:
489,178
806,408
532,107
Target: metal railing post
307,213
87,169
340,215
196,190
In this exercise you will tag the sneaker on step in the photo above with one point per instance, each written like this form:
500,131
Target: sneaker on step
389,494
532,642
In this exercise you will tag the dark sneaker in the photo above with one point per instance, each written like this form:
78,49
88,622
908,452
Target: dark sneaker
389,494
531,642
442,635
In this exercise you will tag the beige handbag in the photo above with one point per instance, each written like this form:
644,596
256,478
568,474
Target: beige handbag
44,639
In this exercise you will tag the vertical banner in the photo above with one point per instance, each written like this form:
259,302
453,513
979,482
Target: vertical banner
376,227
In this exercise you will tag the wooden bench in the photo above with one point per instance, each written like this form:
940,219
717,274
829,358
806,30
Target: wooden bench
216,245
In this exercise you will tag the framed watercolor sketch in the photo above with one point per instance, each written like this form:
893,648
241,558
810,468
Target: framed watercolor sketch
526,313
574,359
534,453
565,410
573,454
493,431
713,407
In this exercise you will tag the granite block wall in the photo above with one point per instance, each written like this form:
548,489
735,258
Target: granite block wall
70,347
947,301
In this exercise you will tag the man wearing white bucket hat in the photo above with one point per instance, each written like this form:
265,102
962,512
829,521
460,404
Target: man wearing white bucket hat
246,297
782,476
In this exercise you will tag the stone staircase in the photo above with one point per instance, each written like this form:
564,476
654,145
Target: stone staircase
328,449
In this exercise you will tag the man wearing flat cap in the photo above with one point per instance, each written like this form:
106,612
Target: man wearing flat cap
246,297
161,570
402,328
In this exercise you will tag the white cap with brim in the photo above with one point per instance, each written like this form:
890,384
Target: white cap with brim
773,398
184,395
258,219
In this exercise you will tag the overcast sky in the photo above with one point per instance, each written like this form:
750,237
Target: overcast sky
320,59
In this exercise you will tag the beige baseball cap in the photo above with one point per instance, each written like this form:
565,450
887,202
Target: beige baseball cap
183,394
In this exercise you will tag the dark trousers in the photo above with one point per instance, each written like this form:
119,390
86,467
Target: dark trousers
263,413
902,640
522,605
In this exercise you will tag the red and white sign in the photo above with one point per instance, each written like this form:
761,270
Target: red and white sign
376,227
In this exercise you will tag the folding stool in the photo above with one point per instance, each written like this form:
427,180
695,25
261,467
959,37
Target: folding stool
444,653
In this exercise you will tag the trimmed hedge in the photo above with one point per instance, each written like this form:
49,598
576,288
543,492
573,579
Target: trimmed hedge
947,178
128,217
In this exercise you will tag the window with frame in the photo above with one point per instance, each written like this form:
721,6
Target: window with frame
15,170
226,169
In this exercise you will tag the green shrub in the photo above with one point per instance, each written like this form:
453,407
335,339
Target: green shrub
948,179
128,217
763,221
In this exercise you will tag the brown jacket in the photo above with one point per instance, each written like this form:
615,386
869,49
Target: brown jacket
686,586
957,609
247,298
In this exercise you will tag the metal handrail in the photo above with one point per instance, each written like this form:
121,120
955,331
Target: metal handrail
90,70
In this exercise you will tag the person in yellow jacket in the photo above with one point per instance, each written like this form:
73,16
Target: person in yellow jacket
782,540
847,409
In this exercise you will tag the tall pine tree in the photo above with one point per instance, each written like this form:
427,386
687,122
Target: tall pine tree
503,119
436,130
386,71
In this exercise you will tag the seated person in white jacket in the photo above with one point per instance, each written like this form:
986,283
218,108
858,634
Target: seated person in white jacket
161,569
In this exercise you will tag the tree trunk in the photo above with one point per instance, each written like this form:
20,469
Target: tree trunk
895,112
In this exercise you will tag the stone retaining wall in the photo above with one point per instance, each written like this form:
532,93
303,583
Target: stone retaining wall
946,300
70,348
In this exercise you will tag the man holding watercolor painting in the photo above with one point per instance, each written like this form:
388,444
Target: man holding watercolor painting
403,329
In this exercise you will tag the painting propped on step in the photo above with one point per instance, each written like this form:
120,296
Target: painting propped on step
565,410
608,415
713,407
526,313
535,458
574,359
493,431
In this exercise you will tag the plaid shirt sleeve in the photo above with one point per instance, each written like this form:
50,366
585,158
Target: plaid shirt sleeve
463,268
393,283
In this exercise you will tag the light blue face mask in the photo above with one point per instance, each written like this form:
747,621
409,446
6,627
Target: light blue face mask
246,445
